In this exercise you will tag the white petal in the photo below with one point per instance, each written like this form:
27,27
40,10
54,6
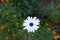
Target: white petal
36,27
31,17
25,28
33,31
28,31
28,18
25,24
34,18
28,28
36,22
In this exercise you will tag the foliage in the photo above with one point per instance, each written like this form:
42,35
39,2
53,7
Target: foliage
52,14
14,12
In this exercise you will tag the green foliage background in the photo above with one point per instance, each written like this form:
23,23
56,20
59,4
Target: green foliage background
21,9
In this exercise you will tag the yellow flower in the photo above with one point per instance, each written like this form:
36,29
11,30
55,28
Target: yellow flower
6,38
14,15
55,37
7,0
54,32
16,24
46,24
58,4
2,0
8,30
49,28
2,27
58,36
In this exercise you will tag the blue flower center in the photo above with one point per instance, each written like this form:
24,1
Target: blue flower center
31,24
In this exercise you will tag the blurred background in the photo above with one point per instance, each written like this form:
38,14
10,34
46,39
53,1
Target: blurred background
13,13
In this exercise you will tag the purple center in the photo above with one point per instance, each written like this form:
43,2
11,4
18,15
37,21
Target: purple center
31,24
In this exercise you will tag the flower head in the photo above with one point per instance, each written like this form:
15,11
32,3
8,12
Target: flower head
31,24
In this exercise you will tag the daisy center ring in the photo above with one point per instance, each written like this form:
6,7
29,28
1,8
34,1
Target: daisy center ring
31,24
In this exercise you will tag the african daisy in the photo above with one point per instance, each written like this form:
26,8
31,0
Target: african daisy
31,24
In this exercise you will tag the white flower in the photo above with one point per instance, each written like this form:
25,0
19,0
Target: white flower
31,24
